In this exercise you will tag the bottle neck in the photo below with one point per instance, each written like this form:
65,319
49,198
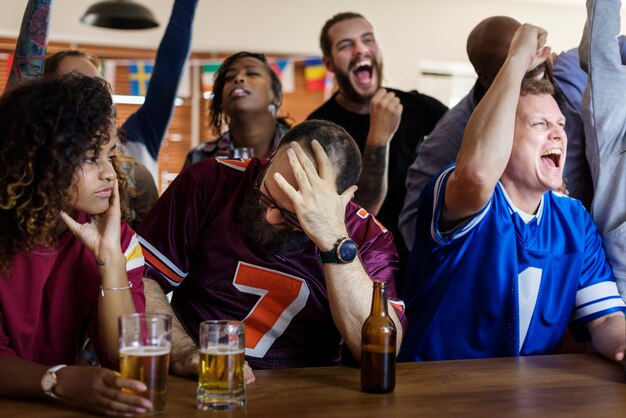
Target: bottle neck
379,300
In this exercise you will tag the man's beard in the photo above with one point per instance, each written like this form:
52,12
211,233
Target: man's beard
347,89
264,237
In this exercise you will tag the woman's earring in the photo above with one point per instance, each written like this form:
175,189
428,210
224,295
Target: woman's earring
272,109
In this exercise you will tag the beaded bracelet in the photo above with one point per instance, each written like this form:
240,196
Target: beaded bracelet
102,289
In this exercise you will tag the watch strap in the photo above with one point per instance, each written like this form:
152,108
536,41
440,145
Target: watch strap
52,372
332,256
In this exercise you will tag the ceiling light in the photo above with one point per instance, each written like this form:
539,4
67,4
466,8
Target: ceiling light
119,14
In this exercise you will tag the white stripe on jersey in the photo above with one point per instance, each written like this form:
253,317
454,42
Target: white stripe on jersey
133,254
587,310
398,302
434,230
596,298
597,291
162,258
229,164
528,283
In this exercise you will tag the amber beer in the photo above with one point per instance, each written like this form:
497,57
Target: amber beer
221,374
378,346
221,385
144,349
149,365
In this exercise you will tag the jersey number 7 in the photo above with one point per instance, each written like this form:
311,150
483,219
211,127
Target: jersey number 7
282,296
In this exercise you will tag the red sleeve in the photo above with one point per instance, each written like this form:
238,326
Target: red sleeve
377,252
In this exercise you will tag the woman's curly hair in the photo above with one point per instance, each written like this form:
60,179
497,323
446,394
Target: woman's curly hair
47,127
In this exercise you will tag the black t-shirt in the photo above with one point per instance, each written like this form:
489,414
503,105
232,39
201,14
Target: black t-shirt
420,114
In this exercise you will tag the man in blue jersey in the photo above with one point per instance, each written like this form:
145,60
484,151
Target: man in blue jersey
487,48
501,263
271,243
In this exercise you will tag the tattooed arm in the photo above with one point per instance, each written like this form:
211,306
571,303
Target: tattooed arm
373,180
32,43
385,113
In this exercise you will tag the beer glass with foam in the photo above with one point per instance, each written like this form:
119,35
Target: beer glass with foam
221,385
145,346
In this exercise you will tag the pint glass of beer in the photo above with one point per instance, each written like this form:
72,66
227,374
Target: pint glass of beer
145,345
221,386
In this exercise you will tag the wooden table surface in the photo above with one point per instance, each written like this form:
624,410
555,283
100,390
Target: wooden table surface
565,385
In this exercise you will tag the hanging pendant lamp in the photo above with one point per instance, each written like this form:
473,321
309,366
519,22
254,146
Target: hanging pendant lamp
119,14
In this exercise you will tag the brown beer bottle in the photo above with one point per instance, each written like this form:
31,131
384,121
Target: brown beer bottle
378,346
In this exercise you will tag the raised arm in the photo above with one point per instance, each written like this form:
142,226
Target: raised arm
147,126
32,42
604,117
599,52
385,114
488,137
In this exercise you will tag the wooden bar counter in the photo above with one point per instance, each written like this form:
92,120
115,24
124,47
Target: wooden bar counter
565,385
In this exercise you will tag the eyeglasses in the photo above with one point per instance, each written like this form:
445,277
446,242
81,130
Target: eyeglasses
290,217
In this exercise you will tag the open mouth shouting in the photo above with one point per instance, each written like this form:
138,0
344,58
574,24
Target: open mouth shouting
363,71
552,158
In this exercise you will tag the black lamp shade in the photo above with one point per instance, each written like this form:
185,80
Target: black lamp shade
119,14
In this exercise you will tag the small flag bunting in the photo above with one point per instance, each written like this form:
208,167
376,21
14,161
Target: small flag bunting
314,74
284,69
208,73
139,75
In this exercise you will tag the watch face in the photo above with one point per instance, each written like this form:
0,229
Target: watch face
48,381
346,252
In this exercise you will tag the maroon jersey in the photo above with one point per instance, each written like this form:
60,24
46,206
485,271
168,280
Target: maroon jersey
49,299
194,247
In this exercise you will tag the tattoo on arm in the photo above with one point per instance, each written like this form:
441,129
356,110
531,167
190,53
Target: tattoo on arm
373,180
32,43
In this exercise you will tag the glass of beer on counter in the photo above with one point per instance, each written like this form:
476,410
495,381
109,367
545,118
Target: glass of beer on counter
220,379
145,346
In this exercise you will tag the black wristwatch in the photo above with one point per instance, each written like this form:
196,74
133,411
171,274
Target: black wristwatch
344,251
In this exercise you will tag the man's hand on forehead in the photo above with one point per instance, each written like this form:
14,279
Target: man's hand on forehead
320,209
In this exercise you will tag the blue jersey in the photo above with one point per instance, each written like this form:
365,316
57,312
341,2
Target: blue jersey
497,286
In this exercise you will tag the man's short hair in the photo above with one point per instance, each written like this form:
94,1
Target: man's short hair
341,149
536,87
325,42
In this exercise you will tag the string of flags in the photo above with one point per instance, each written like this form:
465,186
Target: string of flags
316,77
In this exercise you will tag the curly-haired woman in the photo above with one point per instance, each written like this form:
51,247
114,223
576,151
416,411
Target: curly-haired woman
68,265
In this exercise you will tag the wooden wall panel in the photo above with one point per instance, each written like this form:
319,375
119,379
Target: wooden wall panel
4,73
